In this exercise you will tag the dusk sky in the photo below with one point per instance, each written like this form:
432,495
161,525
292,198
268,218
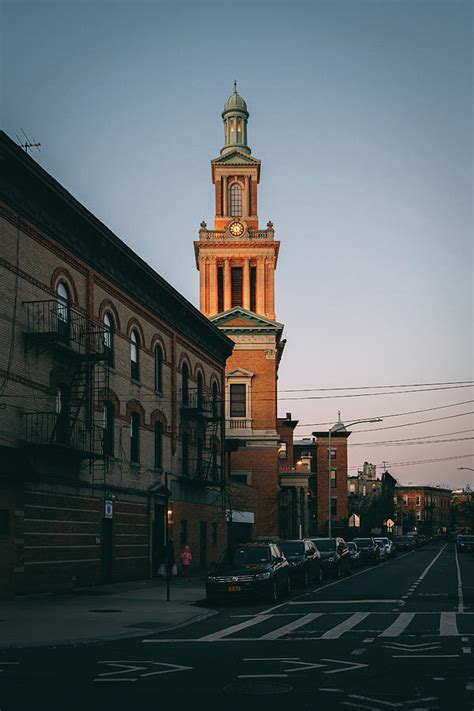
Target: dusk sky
361,113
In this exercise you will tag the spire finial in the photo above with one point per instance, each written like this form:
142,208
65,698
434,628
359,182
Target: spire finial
339,416
235,86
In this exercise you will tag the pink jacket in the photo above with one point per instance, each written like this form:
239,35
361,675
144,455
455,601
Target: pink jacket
186,557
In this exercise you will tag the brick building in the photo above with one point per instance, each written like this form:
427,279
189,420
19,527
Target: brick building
295,508
111,385
426,509
236,262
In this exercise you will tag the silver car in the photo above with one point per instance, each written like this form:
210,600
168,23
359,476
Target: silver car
390,548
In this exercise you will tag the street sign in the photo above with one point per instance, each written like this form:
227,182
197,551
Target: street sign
389,523
354,521
108,509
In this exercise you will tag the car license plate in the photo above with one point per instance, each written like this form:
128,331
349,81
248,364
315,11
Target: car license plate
234,588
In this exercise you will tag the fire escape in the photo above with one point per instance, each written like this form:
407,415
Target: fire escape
73,429
203,411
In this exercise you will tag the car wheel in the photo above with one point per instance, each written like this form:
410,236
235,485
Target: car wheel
273,595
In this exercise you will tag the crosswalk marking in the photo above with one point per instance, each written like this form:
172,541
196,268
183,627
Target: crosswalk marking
346,625
448,626
235,628
274,634
399,625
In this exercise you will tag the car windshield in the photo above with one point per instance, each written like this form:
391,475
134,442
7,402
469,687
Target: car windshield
291,548
325,544
380,544
246,556
364,542
352,546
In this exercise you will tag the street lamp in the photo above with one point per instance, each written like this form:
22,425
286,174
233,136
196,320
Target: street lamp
469,468
336,428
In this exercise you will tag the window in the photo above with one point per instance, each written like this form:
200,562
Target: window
135,355
220,289
158,445
183,532
242,476
253,289
5,523
200,392
333,479
63,310
214,534
418,515
236,283
235,200
135,437
405,500
215,401
237,400
333,454
417,500
158,369
109,423
185,453
282,450
334,506
352,488
185,384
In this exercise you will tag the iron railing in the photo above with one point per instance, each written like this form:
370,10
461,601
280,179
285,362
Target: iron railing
201,401
51,320
53,429
220,235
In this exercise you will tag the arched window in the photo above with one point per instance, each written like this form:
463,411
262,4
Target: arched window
109,339
135,355
185,454
109,425
158,445
158,369
63,310
200,392
185,384
135,437
215,401
235,200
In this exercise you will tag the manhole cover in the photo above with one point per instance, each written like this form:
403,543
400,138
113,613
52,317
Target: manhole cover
250,687
105,610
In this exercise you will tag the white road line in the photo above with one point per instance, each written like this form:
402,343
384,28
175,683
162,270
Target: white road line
447,625
377,701
271,659
432,563
399,625
423,656
281,631
342,602
460,594
235,628
261,676
345,626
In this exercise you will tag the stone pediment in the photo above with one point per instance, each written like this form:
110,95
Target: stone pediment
239,318
239,373
236,157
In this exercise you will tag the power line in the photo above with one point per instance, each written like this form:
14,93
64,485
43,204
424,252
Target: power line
409,444
411,439
393,392
378,387
420,422
398,414
420,461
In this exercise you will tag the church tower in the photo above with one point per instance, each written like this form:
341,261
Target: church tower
236,262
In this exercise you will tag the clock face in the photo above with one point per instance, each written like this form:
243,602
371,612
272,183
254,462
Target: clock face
236,229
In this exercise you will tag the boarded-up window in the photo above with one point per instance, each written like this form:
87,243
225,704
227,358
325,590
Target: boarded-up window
236,280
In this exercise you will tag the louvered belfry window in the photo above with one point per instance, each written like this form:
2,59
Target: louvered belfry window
253,289
236,281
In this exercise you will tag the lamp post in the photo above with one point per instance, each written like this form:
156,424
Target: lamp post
337,428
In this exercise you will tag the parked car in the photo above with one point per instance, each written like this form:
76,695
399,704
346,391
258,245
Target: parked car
383,550
304,559
404,543
369,550
465,543
250,570
335,557
389,547
354,553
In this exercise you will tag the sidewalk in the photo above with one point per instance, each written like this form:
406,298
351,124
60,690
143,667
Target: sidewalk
100,613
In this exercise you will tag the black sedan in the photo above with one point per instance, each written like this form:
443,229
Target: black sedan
404,543
335,558
304,560
369,550
465,543
354,553
255,570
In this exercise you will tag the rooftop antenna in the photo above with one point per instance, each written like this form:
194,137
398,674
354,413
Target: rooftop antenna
26,143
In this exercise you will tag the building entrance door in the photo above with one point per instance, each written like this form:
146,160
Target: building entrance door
107,549
203,544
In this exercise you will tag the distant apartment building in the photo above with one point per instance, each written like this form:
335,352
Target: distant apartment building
426,509
462,509
111,399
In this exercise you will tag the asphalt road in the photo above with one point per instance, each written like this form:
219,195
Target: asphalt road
395,636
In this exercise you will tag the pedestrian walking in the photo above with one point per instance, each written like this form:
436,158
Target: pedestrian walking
169,558
186,558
